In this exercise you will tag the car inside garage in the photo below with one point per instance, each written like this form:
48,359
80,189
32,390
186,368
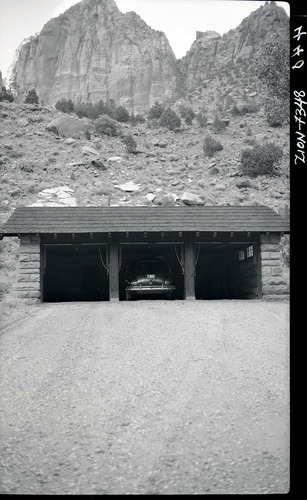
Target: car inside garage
153,261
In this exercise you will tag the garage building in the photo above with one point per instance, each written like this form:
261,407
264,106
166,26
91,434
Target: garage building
213,252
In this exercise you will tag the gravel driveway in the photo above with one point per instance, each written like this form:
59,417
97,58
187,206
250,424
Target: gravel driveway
146,397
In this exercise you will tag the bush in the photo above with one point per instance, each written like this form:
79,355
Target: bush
187,113
65,106
134,119
129,143
276,111
106,126
260,160
245,108
211,146
218,125
170,120
5,95
31,97
121,114
156,111
201,119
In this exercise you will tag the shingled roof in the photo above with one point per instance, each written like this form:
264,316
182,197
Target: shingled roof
46,220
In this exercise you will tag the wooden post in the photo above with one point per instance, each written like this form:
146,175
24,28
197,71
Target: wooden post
189,271
114,272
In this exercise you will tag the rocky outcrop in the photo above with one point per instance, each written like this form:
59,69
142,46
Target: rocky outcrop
211,52
93,52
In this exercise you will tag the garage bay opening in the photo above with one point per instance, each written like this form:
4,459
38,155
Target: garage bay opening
151,270
75,272
226,271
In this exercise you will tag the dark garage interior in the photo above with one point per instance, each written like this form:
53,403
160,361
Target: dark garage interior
78,272
75,273
225,271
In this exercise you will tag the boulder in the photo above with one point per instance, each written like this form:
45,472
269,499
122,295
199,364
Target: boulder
67,126
189,198
87,150
129,187
23,122
150,196
116,159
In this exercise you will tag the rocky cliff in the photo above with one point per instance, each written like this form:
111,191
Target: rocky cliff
210,52
93,52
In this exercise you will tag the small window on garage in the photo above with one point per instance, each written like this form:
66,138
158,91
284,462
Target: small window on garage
250,251
241,255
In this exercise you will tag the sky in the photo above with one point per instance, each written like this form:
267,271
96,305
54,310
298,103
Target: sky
178,19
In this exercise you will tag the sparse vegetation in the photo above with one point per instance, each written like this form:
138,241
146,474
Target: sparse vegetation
211,146
260,160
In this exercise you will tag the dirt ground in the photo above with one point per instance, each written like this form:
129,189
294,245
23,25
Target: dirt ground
148,397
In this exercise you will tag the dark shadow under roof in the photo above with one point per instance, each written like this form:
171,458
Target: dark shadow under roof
44,220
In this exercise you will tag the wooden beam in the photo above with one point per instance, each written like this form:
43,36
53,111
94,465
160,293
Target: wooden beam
189,271
114,272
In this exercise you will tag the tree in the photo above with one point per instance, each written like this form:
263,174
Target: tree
156,110
273,69
31,97
5,95
170,120
122,114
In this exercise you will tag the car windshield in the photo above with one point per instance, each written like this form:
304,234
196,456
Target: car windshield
144,267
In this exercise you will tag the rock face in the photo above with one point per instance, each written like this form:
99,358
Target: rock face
211,52
94,52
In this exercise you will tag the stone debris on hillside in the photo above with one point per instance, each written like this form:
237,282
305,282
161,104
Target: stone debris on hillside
61,196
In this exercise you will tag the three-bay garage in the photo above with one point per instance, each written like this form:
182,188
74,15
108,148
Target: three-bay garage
207,253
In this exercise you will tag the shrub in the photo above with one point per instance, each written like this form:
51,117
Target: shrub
211,146
65,106
106,126
276,111
170,120
5,95
218,124
31,97
156,111
121,114
129,143
201,119
260,160
134,119
187,113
